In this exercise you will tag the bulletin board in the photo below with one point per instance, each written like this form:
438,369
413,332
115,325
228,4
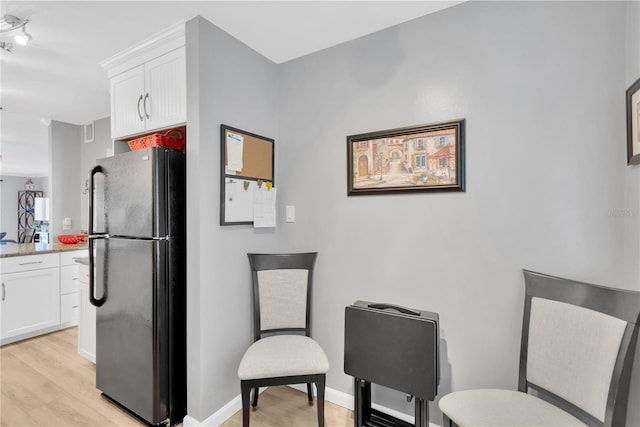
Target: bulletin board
247,165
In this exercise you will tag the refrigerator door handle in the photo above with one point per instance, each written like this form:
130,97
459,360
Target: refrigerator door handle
95,170
98,302
92,237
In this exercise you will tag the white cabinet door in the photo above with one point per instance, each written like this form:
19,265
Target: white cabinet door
151,96
30,301
127,99
68,279
16,264
69,308
86,325
165,102
69,257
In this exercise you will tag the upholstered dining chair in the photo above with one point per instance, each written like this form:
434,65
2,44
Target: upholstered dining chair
576,354
283,351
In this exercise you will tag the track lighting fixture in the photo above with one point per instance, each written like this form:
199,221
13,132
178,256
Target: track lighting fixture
23,38
7,47
10,23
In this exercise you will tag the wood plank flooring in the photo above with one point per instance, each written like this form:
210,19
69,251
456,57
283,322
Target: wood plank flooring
284,406
44,382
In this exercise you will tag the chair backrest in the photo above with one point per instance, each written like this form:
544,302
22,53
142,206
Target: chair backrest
578,343
282,292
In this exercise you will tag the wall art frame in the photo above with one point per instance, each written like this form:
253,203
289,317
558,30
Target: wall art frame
425,158
633,124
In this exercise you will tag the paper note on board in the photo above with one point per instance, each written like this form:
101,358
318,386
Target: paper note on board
264,208
234,152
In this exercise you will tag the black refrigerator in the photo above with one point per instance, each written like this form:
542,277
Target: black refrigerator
137,236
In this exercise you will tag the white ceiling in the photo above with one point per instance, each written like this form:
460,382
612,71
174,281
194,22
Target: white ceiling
58,76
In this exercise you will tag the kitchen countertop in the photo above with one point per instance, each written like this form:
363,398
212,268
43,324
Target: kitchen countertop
20,249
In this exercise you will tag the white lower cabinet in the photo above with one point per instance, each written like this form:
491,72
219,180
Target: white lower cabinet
69,307
29,302
87,318
39,294
69,290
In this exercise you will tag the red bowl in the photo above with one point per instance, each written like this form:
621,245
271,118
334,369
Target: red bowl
70,239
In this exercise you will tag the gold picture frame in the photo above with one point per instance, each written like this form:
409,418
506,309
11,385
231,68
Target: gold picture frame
417,158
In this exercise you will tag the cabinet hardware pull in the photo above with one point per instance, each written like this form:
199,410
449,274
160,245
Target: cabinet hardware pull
139,114
75,278
4,291
144,105
31,262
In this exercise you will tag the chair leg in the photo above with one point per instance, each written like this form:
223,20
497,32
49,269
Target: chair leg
448,422
310,393
245,392
320,399
256,391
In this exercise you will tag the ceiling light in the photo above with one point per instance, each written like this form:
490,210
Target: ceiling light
8,47
10,23
23,38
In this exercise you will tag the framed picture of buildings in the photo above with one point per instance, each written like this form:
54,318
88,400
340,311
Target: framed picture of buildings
633,124
417,158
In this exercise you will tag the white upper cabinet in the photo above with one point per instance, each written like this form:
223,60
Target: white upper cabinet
165,101
149,85
127,94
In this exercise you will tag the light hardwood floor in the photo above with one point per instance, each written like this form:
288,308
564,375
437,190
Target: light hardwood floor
44,382
284,406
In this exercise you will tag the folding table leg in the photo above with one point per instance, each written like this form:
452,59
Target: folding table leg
362,404
422,413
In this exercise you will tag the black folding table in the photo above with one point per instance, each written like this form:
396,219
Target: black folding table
395,347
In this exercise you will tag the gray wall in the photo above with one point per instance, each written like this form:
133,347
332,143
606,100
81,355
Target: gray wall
541,87
64,167
9,188
89,152
631,211
226,83
70,161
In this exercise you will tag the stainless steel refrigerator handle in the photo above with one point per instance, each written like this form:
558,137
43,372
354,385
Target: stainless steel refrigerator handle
139,114
144,105
92,292
95,170
4,291
98,302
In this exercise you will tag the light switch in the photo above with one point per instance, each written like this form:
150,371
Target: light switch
66,224
290,214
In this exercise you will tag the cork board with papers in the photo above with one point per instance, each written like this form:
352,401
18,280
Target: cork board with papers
247,166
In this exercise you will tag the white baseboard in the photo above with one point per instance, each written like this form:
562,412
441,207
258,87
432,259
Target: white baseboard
220,416
334,396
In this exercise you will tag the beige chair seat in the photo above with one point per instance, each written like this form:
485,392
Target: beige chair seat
496,408
283,356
